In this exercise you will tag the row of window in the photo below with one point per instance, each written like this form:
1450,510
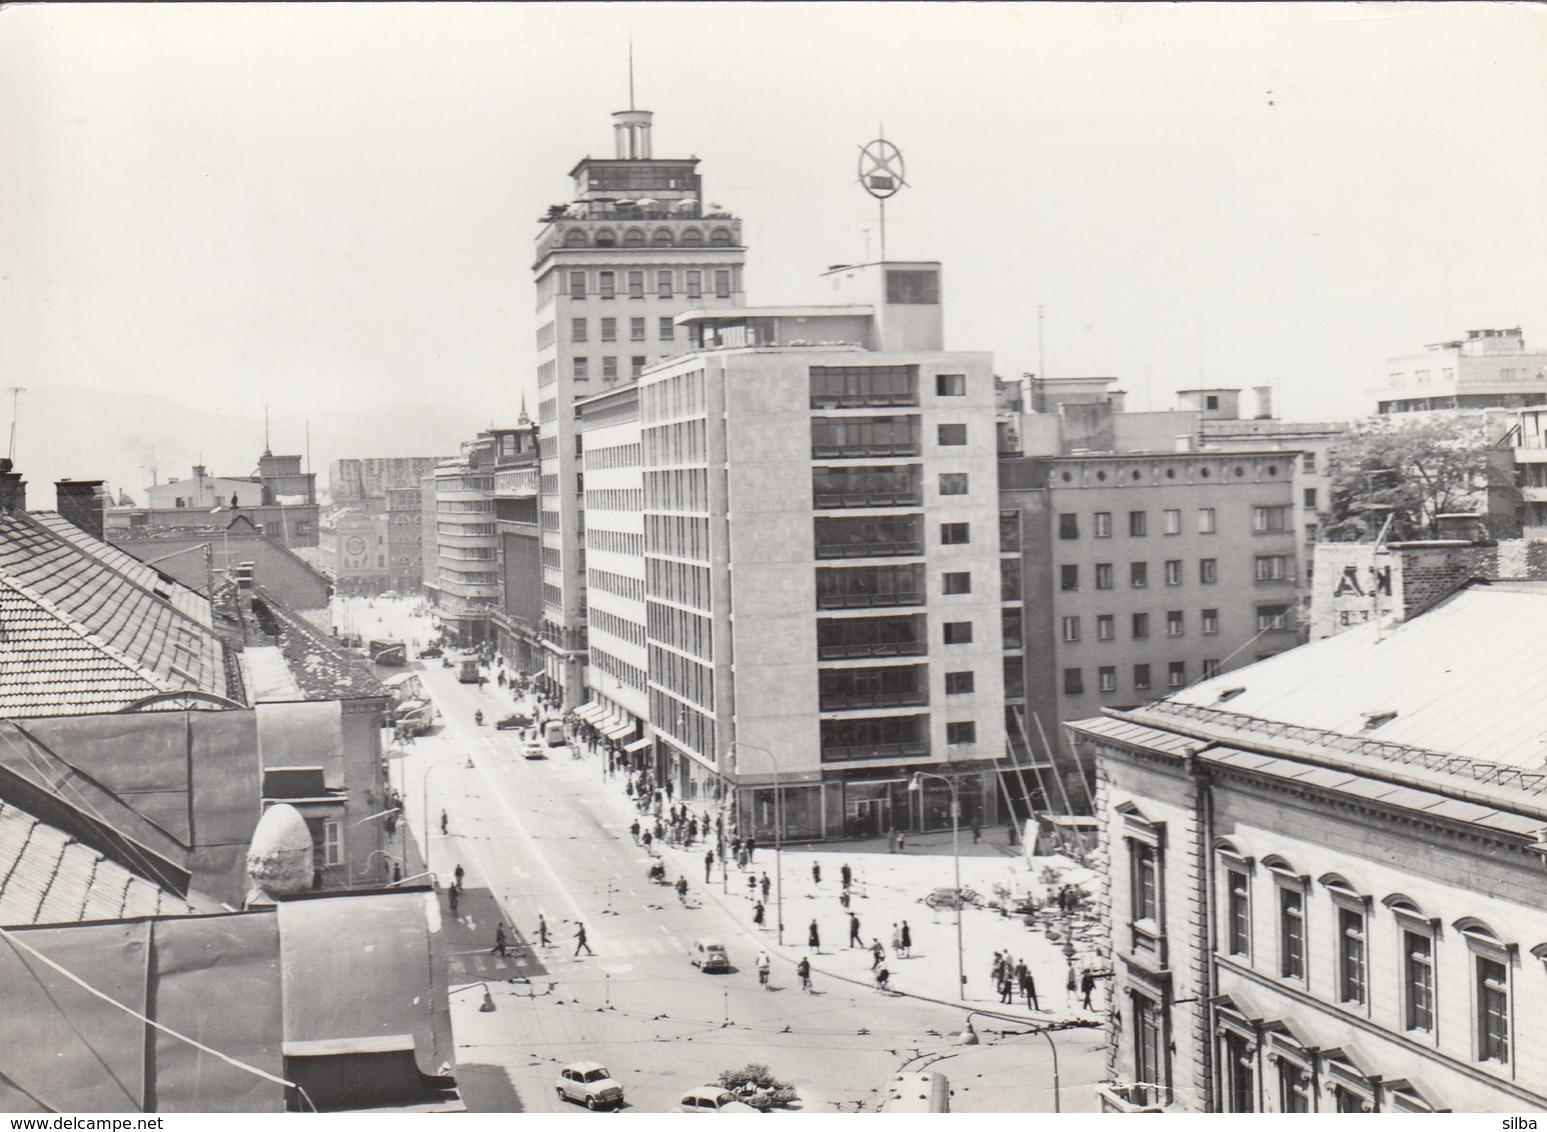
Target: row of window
665,329
876,436
1265,568
615,542
615,499
620,670
1264,519
613,456
1139,625
666,284
685,489
1106,677
578,237
580,368
601,621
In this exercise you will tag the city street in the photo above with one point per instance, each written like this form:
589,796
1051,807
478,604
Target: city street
549,838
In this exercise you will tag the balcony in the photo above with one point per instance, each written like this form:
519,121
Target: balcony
871,550
859,451
868,601
859,700
909,498
857,651
1129,1098
915,749
898,399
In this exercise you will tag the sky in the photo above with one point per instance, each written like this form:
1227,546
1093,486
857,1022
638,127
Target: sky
328,210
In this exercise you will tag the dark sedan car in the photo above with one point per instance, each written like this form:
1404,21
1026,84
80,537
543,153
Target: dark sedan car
513,723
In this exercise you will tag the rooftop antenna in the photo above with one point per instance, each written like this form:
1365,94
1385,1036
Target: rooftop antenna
267,450
16,392
881,175
631,71
308,444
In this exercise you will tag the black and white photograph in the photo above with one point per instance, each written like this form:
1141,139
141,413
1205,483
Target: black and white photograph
785,558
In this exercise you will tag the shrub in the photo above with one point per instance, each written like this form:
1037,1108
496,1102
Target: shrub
755,1085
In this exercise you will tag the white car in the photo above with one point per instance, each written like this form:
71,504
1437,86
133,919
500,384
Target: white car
588,1083
532,749
711,1098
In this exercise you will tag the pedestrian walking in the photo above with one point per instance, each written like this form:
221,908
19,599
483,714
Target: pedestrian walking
580,940
816,872
883,980
977,834
751,887
1088,988
757,914
708,864
762,968
997,970
443,823
1006,989
763,884
814,937
843,899
735,848
907,941
542,930
846,874
682,890
692,830
902,842
877,953
633,831
499,941
751,848
1029,989
397,873
741,863
891,842
459,874
645,839
1071,983
896,941
451,899
803,969
854,939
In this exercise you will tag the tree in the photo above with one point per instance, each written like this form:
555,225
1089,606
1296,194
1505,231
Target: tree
1413,469
756,1086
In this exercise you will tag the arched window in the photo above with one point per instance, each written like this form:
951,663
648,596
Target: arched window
575,238
606,238
634,238
693,238
662,238
720,238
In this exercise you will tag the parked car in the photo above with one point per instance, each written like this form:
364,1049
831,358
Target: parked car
532,749
513,722
431,652
709,956
588,1083
711,1098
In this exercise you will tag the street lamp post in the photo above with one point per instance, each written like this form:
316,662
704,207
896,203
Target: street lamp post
773,764
424,793
916,786
970,1038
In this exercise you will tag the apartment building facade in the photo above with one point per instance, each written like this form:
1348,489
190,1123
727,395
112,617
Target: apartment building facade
1139,574
821,548
1324,874
634,246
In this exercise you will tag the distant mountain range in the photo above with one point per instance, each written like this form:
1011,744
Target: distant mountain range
128,438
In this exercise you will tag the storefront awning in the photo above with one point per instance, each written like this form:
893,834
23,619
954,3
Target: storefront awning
637,745
617,731
590,712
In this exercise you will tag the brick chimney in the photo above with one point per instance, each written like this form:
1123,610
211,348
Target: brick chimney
82,502
13,489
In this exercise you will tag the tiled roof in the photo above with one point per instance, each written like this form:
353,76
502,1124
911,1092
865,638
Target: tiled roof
90,628
50,667
47,877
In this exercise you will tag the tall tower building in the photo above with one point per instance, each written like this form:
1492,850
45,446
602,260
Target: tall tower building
633,248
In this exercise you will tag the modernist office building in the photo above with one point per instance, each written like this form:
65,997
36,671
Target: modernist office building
635,246
820,582
1325,873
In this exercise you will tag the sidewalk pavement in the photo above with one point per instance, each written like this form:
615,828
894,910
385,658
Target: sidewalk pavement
887,889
